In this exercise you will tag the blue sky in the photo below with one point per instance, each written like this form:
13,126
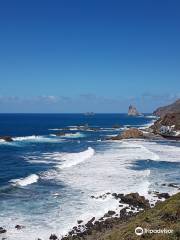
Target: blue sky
93,55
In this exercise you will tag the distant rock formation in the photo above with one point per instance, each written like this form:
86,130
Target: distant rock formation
172,108
133,111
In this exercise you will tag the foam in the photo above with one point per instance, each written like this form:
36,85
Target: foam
108,170
165,152
55,129
35,138
152,116
33,178
72,159
74,135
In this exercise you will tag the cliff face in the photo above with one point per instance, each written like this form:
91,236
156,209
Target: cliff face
172,108
169,122
133,111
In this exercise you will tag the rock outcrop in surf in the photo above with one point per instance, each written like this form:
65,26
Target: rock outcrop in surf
6,138
129,133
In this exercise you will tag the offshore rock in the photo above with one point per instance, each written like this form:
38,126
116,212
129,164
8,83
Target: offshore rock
133,111
130,133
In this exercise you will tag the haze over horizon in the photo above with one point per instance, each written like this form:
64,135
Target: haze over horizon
79,56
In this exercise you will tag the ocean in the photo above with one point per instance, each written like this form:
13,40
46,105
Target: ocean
46,181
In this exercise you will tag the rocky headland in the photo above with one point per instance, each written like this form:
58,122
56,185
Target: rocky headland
172,108
167,126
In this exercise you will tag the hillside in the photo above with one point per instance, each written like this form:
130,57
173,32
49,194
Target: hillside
165,215
172,108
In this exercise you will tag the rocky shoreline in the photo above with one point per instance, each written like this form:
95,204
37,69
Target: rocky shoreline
131,206
165,214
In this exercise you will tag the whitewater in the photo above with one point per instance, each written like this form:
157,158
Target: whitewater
53,179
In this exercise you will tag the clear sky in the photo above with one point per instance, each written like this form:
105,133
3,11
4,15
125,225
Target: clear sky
88,55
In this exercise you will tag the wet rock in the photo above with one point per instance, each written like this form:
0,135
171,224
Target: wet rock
53,237
117,196
172,185
6,138
163,195
2,230
90,223
109,213
79,221
135,200
19,227
123,212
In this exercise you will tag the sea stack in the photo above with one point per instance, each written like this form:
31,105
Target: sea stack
133,111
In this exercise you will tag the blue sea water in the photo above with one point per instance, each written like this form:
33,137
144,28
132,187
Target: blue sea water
46,181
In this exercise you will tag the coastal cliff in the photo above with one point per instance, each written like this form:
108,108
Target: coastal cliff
172,108
169,123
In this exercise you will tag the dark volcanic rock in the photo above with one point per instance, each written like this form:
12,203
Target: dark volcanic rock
53,237
79,221
135,199
2,230
172,108
109,213
90,223
117,195
163,195
6,138
19,227
172,185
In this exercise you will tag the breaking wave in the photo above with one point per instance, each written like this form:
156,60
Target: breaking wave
35,138
72,159
74,135
33,178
